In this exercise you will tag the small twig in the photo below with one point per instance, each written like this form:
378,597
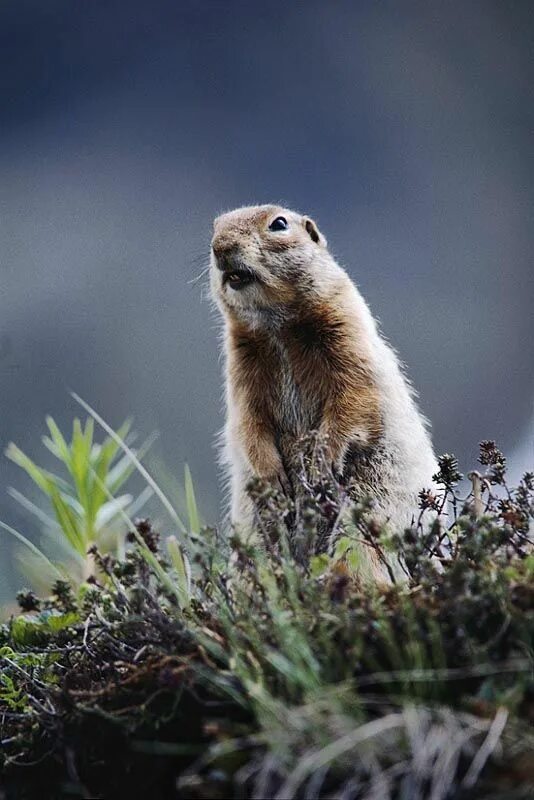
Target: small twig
85,636
476,480
333,533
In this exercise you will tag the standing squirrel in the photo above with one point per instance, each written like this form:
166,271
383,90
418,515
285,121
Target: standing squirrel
303,353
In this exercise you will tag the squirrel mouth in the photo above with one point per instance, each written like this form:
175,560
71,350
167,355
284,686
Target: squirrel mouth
238,278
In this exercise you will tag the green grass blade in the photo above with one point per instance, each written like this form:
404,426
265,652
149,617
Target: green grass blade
34,509
38,476
79,468
121,471
109,511
30,545
88,434
67,520
101,459
141,469
138,504
59,440
43,478
148,555
182,569
191,503
51,445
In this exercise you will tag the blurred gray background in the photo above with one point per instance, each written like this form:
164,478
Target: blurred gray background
405,129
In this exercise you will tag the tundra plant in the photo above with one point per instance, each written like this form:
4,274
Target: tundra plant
88,505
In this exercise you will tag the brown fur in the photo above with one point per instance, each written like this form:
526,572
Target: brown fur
317,346
330,365
250,365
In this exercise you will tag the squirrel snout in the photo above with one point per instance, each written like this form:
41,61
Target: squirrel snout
225,254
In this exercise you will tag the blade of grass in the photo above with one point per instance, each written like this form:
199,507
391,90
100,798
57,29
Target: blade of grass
181,568
140,501
37,475
326,755
101,460
41,515
141,469
41,477
59,441
110,510
30,545
121,471
191,502
147,553
78,467
68,522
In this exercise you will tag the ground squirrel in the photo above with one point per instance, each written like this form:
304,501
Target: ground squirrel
303,353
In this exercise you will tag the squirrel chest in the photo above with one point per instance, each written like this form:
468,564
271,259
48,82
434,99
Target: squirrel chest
280,381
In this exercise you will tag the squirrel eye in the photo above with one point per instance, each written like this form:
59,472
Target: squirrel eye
279,224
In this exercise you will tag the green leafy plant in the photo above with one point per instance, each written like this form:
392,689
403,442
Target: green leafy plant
87,503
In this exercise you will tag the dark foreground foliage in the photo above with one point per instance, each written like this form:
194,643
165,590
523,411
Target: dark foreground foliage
280,671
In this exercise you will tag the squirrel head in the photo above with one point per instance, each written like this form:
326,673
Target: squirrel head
264,258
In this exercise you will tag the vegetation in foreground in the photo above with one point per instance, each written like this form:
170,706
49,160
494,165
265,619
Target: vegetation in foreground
209,667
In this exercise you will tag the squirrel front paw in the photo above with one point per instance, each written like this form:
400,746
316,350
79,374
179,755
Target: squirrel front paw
269,468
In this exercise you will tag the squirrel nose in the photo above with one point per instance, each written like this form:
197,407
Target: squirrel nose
224,253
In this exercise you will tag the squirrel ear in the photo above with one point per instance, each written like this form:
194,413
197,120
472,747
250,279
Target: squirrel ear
314,232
